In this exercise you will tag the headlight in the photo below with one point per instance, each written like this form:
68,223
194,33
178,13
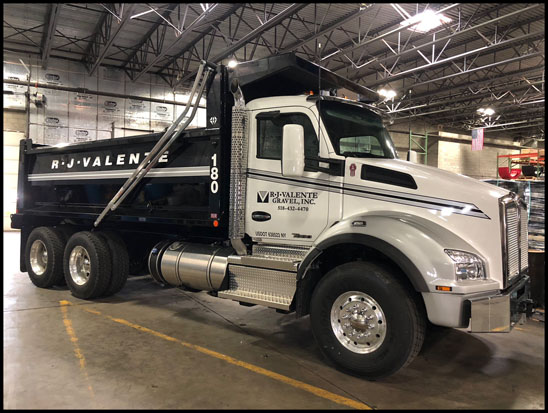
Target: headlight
468,266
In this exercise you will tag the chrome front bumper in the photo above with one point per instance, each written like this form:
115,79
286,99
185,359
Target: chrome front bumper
498,313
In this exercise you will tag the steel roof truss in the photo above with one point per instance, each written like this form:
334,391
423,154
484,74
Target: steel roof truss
49,32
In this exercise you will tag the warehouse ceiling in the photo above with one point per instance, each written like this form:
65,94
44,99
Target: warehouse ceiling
481,56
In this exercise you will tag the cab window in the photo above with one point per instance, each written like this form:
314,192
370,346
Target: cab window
270,129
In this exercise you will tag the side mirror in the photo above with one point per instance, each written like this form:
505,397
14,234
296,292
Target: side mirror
293,150
412,156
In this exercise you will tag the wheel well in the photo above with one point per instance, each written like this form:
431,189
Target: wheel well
340,254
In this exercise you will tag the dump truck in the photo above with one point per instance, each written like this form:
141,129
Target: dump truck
290,198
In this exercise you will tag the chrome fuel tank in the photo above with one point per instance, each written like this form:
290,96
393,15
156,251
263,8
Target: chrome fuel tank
198,266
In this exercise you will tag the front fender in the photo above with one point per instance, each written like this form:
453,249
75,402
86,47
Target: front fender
414,243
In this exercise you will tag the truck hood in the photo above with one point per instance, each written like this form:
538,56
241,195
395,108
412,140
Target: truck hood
438,183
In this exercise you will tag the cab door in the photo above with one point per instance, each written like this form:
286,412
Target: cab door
284,210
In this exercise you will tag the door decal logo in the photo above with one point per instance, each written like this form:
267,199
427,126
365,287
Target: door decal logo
262,197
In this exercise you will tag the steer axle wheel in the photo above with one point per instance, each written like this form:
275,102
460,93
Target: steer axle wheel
365,321
358,322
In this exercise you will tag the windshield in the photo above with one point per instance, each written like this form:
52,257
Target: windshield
356,131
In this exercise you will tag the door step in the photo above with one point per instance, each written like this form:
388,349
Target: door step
280,253
265,286
263,262
267,277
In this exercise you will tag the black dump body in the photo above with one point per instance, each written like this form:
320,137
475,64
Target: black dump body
73,184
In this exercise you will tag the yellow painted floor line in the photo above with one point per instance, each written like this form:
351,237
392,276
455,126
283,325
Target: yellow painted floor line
77,351
259,370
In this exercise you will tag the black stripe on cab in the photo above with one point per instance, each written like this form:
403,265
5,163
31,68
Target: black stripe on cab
422,203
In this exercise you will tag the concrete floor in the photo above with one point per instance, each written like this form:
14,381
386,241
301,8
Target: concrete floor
154,348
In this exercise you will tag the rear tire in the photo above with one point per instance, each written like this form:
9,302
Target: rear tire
87,265
365,321
119,260
44,257
65,231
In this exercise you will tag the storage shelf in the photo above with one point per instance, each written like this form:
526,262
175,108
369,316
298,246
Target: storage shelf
535,159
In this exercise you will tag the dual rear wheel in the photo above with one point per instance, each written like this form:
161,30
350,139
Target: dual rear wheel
93,264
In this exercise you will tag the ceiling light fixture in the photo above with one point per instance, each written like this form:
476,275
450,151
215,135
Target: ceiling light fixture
387,94
232,64
486,111
425,21
143,13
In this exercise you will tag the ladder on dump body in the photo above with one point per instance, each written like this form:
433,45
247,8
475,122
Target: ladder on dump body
163,144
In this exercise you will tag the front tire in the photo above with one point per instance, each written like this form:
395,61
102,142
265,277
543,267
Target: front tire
365,321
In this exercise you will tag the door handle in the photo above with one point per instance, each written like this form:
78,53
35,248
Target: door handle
260,216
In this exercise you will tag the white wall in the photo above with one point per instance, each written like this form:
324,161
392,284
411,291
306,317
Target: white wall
10,167
459,158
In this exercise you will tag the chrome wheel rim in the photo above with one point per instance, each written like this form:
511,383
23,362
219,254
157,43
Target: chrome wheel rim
79,265
358,322
38,257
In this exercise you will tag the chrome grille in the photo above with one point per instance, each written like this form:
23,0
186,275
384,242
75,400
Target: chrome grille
512,232
515,237
524,223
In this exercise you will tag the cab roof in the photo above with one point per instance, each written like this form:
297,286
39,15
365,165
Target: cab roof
288,74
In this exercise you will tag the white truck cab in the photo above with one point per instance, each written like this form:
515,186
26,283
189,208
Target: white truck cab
436,217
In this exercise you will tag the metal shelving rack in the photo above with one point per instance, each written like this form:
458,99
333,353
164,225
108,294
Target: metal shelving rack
534,158
414,138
